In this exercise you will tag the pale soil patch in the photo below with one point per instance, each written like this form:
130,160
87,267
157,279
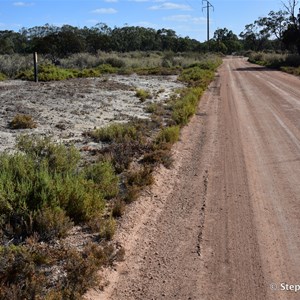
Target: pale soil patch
68,108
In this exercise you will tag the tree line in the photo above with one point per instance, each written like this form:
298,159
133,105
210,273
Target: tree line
279,31
66,40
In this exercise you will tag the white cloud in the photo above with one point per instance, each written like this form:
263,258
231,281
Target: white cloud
146,24
23,4
170,5
185,18
104,11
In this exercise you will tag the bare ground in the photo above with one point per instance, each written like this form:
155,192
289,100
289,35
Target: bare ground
66,109
224,223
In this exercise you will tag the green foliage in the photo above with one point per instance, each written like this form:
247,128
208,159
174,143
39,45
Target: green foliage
143,95
168,135
45,183
186,106
196,76
2,77
52,223
85,73
287,63
56,157
22,122
157,71
107,229
116,132
47,73
291,70
103,174
106,69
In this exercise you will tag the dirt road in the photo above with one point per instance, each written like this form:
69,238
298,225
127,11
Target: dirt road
224,223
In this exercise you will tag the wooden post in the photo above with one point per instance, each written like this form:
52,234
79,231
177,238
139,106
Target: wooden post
35,63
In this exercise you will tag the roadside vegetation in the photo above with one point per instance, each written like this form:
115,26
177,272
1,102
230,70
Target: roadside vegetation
49,191
289,63
80,65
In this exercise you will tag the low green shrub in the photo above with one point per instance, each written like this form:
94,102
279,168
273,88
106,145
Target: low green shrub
45,182
108,228
21,121
47,73
57,157
287,63
2,77
291,70
117,132
52,223
106,69
157,71
292,60
103,174
143,95
85,73
196,76
168,135
186,106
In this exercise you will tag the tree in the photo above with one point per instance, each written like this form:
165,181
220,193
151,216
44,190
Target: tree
290,7
291,36
226,41
274,24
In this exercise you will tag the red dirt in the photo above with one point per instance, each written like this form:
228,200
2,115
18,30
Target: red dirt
224,222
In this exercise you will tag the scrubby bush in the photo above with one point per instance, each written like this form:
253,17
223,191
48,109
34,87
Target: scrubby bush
22,122
2,77
106,69
116,132
47,73
287,63
118,208
28,271
115,62
103,174
107,229
196,76
11,65
52,223
143,95
291,70
168,135
45,182
186,106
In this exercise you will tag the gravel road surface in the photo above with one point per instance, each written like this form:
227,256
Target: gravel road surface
224,222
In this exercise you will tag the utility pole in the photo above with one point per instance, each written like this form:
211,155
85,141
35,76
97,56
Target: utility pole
35,64
208,6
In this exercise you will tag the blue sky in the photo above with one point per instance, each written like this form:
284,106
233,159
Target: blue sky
184,16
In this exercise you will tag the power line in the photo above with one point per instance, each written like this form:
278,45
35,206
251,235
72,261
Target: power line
208,6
